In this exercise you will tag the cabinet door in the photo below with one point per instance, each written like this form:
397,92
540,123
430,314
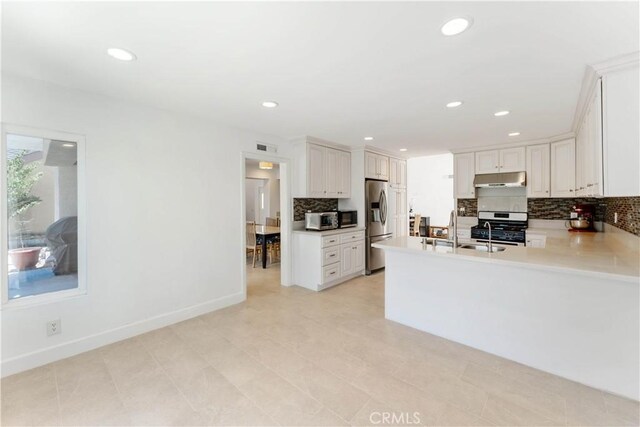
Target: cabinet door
394,173
315,170
358,257
512,159
538,170
621,124
402,173
331,173
346,259
595,144
371,166
463,173
487,161
581,136
563,168
383,167
344,174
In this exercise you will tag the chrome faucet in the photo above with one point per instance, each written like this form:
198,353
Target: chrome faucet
489,245
453,224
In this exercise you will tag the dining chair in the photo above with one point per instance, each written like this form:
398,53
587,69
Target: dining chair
416,225
252,241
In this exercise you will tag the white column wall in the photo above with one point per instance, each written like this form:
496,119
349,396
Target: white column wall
163,236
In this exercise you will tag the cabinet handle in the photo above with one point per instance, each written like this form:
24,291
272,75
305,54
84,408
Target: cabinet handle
354,247
547,191
332,273
571,191
332,255
589,185
496,167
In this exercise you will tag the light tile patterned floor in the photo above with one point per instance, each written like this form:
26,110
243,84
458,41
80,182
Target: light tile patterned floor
288,356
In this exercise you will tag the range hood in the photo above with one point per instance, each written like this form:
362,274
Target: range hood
507,179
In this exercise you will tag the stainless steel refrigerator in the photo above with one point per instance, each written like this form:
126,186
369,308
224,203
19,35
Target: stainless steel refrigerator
378,224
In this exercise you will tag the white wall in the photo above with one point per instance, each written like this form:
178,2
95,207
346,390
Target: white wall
430,187
163,235
251,188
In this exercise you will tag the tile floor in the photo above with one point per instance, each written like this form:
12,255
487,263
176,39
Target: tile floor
288,356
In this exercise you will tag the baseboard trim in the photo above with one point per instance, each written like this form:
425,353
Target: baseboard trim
51,354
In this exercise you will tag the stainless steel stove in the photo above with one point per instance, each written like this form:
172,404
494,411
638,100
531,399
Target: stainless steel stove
507,228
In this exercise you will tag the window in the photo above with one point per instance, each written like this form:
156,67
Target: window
41,200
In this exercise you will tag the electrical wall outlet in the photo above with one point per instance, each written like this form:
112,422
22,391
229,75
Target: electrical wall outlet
54,327
615,217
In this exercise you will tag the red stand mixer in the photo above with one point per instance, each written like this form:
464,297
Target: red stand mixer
582,218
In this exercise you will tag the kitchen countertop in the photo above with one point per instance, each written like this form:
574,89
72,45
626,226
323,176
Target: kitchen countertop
606,254
330,232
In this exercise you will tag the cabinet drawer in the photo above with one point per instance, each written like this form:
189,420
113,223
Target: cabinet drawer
331,240
352,237
330,272
330,255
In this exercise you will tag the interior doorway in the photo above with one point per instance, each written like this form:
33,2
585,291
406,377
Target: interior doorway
263,225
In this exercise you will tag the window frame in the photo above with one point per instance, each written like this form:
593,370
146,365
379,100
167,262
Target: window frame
49,297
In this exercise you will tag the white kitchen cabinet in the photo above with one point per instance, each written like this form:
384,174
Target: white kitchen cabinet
487,161
344,174
463,174
495,161
397,173
376,166
315,171
563,168
322,172
536,240
538,170
512,159
589,177
398,217
321,261
621,134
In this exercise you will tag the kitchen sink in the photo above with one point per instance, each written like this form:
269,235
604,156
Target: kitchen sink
483,248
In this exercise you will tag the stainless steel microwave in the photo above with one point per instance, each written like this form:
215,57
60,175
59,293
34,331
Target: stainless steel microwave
347,219
321,220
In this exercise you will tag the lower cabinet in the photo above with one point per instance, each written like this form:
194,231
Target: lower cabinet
321,261
536,240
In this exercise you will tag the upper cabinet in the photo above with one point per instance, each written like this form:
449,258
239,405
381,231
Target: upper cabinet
538,170
322,172
376,166
589,177
563,171
621,140
463,173
397,173
496,161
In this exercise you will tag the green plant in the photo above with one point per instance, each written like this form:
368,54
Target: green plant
21,177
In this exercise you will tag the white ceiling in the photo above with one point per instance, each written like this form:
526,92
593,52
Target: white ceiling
340,71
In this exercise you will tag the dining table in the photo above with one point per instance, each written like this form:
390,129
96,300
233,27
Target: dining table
267,232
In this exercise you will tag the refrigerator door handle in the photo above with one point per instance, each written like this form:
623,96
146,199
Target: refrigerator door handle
383,207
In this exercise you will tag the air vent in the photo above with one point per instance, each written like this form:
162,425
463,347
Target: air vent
266,148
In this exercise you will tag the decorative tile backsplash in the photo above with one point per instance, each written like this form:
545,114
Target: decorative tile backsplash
557,208
300,206
470,207
628,209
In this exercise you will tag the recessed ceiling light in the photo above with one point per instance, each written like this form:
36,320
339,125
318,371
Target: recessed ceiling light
403,149
121,54
514,134
68,145
270,104
501,113
368,138
455,26
454,104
